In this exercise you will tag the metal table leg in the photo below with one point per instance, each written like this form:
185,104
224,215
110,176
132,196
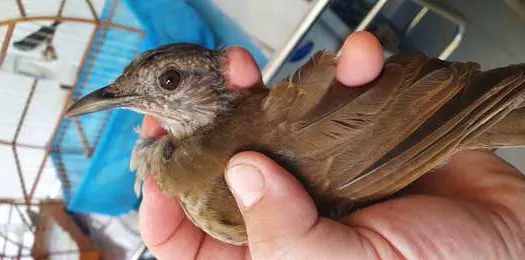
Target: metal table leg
449,14
427,5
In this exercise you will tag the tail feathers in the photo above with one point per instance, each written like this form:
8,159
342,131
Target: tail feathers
509,132
487,113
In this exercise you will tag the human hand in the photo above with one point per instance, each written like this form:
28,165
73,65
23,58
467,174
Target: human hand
472,208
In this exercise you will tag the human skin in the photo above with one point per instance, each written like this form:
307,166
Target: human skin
472,208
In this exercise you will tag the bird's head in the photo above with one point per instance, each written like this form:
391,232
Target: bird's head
181,85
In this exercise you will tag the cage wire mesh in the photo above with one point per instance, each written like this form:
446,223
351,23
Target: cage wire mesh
52,52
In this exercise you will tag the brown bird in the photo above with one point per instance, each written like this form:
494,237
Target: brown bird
348,147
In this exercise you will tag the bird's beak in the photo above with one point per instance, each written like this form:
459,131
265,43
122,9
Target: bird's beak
102,99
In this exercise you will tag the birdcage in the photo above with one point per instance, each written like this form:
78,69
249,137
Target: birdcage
52,53
48,55
57,168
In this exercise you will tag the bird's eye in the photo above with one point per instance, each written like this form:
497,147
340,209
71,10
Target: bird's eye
169,80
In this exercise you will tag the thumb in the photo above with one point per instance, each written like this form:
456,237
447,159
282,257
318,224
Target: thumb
276,209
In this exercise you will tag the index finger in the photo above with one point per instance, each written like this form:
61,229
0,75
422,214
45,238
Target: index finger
361,59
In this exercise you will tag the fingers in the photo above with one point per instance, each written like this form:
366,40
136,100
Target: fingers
361,59
271,201
360,62
164,228
151,128
242,70
276,209
214,249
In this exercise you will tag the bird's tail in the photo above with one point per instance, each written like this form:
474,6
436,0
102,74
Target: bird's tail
508,132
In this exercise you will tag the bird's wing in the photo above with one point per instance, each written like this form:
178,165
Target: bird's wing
484,100
347,139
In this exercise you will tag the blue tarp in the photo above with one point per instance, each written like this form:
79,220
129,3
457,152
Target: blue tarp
105,184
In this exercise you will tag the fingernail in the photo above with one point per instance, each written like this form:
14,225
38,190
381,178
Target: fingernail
246,183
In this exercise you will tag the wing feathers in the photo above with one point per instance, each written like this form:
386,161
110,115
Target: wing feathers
380,137
419,154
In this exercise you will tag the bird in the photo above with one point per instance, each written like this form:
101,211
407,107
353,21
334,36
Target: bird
349,147
44,35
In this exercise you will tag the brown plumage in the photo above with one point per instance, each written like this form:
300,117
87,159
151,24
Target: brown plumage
347,146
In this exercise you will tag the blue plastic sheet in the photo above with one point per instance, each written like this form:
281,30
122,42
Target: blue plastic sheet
106,184
168,21
99,183
226,31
